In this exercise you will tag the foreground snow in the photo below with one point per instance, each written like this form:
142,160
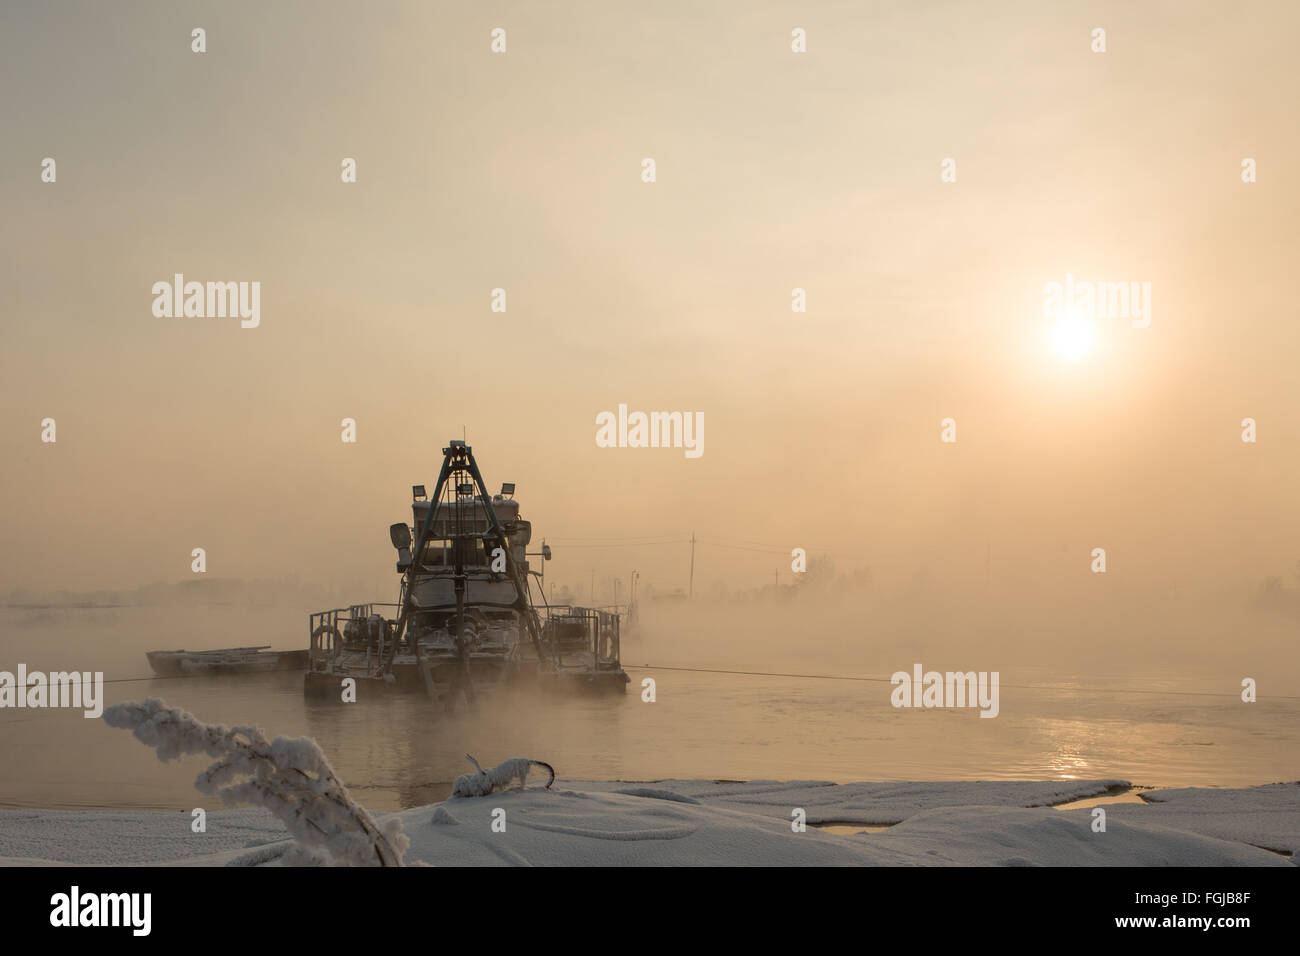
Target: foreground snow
695,822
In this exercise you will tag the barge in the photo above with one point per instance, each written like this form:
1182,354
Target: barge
225,660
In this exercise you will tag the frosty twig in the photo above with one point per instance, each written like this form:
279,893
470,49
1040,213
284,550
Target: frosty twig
288,776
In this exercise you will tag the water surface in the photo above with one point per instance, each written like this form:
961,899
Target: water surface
403,752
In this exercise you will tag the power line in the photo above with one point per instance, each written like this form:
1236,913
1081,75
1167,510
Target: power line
747,673
614,544
738,547
632,542
888,680
628,538
131,680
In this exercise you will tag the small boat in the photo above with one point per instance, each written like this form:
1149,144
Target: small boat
225,660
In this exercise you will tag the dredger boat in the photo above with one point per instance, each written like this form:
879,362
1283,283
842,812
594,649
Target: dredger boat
464,620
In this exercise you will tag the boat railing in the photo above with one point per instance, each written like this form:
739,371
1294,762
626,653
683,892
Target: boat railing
600,634
326,628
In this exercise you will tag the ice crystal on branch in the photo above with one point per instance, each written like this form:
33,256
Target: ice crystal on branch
288,776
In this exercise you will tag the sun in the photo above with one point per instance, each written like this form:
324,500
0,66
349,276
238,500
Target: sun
1071,337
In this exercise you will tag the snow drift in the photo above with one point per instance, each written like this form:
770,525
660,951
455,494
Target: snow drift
699,822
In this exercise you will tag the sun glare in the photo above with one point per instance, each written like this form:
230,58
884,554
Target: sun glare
1071,338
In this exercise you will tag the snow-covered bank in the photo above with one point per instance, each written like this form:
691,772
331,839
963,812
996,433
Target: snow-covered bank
1267,817
696,822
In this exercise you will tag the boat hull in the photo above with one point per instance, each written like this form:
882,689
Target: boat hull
182,663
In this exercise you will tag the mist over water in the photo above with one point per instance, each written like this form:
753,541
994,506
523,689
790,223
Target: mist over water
1071,705
817,172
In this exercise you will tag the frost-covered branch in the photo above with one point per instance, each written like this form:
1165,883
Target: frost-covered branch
484,782
288,776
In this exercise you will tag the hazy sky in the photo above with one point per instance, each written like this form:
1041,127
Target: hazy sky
775,170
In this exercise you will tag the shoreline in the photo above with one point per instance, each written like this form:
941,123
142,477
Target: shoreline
707,822
1129,793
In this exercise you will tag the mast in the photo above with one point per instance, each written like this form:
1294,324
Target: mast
458,459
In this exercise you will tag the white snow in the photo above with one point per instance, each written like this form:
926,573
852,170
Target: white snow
874,804
130,836
1267,817
697,822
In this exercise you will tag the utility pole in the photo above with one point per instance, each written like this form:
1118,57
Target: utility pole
593,587
631,601
692,590
776,582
